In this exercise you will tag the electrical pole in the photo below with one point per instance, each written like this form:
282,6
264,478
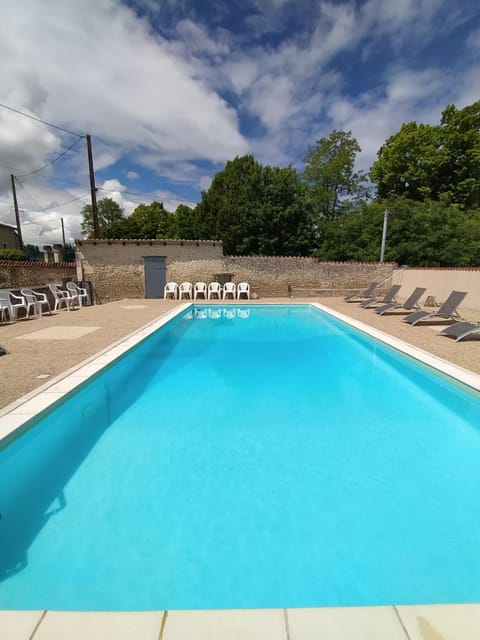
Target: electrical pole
384,235
17,215
93,190
63,232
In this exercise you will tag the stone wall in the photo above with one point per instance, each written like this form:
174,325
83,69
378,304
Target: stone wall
273,277
15,274
116,269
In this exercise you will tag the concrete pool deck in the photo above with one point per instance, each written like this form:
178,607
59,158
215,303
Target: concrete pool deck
43,348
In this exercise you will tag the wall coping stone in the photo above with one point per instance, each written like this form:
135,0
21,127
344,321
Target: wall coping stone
445,268
37,264
313,259
153,241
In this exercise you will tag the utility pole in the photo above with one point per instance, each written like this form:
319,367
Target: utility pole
17,215
93,190
384,235
63,232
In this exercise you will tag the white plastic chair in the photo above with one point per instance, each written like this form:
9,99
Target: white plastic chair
3,310
229,289
35,299
200,289
170,290
61,297
77,293
243,289
214,290
12,303
185,290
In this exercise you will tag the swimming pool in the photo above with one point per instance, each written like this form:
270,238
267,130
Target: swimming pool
263,456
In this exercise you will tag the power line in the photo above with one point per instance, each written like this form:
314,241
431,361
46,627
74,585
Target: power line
56,206
30,195
149,195
24,175
48,124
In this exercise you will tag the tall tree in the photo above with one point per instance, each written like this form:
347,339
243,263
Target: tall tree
152,221
329,172
407,163
285,215
460,155
110,213
437,162
185,223
227,210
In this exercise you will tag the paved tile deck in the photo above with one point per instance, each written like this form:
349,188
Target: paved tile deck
432,622
58,333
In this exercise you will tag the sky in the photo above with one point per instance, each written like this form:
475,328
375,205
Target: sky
170,90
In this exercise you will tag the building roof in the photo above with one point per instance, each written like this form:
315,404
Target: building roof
8,226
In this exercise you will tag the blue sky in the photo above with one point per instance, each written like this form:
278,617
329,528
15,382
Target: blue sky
171,89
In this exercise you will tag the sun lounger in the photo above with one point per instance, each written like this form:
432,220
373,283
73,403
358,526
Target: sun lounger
362,295
446,311
388,298
410,304
461,330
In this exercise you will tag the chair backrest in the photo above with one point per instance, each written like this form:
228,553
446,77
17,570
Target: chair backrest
369,290
200,287
414,297
170,288
72,288
28,295
243,287
214,287
451,303
185,287
229,287
5,297
390,296
56,291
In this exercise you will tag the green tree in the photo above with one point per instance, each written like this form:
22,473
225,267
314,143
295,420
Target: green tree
329,172
459,158
228,209
407,163
152,221
185,223
257,210
285,215
109,214
429,233
439,162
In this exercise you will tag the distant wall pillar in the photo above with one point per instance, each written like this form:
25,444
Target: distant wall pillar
57,253
48,254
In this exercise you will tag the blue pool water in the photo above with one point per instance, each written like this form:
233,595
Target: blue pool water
248,457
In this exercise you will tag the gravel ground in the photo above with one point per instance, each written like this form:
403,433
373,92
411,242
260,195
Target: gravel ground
27,359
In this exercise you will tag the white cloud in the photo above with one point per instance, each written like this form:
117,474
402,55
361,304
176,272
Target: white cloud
116,80
132,175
